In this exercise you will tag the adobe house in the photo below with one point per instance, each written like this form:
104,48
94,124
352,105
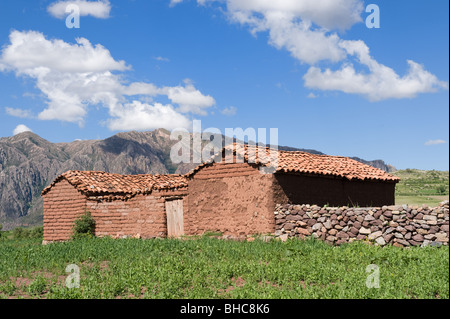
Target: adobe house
235,193
232,195
133,205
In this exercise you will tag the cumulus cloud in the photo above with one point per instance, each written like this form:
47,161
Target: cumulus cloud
434,142
30,53
328,14
20,129
98,9
140,116
309,30
76,76
189,98
380,83
301,27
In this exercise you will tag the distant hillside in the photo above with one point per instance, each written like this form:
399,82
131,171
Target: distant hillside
422,187
28,163
377,164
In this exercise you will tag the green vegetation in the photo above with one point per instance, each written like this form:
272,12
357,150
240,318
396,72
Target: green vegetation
23,233
84,227
422,187
211,268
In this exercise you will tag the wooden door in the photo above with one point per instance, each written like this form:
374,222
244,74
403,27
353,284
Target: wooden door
174,212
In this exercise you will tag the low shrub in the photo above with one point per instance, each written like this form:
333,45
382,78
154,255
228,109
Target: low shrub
84,227
22,233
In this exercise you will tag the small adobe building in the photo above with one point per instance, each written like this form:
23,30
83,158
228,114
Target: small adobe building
121,205
234,193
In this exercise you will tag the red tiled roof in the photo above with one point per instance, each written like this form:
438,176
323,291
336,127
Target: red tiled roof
100,183
302,162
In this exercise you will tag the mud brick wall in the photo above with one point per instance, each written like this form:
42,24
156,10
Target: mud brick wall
401,226
141,216
234,199
62,205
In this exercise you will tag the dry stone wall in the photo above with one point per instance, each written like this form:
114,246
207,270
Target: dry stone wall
399,225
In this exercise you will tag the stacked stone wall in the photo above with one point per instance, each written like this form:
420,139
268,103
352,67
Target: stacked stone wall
398,225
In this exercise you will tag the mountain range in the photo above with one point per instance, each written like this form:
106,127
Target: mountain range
28,163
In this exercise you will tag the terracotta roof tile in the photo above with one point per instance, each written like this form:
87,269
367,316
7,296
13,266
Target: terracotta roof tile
301,162
93,183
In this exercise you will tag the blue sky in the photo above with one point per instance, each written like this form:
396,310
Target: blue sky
312,69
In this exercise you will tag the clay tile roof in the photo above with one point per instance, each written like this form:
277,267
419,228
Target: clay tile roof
100,183
300,162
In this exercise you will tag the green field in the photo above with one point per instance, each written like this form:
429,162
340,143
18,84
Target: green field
419,187
212,268
205,267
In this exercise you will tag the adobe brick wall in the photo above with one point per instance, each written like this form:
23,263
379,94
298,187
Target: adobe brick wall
234,199
300,189
62,205
141,216
398,225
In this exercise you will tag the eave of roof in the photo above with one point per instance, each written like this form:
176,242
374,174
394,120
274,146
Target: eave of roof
289,162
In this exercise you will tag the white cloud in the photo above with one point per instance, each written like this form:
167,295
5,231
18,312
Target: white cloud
434,142
308,30
76,76
328,14
380,83
311,96
18,112
301,27
189,98
30,53
290,24
98,9
143,116
21,128
229,111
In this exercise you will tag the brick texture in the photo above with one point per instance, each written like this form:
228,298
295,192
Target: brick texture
61,207
142,216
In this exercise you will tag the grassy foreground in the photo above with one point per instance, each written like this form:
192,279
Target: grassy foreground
212,268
